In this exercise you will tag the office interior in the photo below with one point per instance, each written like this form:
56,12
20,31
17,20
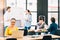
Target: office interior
46,8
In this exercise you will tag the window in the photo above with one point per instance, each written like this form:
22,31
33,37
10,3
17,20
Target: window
52,10
32,6
19,6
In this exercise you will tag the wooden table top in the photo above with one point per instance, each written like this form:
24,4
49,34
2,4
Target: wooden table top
30,37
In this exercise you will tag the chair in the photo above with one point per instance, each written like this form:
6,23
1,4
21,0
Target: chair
57,32
11,39
47,38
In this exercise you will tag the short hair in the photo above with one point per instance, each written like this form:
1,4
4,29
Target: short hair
41,18
13,19
53,19
8,8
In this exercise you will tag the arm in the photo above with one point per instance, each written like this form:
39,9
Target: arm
6,32
30,18
46,27
49,29
6,17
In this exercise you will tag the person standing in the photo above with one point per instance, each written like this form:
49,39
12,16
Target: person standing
28,20
7,17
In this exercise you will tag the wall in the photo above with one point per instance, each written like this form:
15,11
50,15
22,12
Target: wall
1,17
42,8
59,13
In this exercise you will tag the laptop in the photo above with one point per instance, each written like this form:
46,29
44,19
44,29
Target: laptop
18,34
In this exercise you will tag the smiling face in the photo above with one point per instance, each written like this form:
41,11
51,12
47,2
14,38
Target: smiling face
13,22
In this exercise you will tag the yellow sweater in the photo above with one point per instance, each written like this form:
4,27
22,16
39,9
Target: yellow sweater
9,31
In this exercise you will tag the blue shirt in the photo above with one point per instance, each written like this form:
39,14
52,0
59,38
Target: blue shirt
29,18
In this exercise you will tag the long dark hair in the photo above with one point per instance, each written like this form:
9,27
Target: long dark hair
29,12
8,8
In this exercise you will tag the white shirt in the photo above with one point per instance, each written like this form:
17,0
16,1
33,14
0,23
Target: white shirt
7,17
41,25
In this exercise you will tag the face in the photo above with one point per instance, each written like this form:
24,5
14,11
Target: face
9,10
26,12
13,22
40,21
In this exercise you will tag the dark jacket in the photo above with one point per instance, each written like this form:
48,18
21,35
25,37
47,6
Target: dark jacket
53,27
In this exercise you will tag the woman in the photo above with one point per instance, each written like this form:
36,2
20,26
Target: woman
53,26
7,17
11,28
28,20
41,24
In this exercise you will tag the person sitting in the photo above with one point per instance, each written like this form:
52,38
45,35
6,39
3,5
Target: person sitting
41,24
53,26
11,28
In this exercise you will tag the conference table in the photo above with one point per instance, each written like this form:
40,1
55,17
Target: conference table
40,37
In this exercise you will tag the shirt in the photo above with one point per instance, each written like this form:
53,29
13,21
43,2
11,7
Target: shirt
29,18
7,17
41,26
9,31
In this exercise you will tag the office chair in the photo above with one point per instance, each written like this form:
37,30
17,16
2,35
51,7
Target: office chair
11,39
47,38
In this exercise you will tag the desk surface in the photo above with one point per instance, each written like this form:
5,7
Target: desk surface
29,37
41,37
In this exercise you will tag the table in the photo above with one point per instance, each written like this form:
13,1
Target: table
41,37
30,38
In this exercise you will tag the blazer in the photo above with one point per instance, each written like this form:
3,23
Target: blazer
53,27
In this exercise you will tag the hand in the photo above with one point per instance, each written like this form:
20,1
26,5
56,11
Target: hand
39,30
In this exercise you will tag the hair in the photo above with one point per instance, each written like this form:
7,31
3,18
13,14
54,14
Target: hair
29,11
41,18
13,19
53,19
3,11
8,8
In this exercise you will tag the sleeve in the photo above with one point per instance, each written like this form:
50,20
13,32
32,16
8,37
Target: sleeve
49,29
6,31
